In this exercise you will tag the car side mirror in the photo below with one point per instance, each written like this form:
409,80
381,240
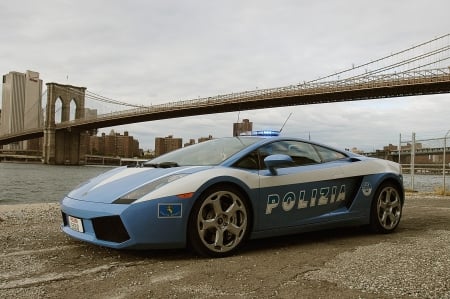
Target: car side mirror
277,161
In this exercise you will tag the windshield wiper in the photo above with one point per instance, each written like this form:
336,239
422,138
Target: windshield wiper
161,165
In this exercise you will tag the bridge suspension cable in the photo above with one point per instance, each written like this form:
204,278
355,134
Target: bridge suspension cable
409,61
99,98
405,61
418,70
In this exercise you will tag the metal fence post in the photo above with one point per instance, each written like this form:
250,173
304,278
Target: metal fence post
444,160
413,158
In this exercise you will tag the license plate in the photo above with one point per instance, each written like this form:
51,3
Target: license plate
76,224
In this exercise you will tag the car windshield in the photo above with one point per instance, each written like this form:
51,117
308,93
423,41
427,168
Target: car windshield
212,152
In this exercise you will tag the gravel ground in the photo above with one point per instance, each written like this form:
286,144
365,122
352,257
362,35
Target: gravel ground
419,267
38,261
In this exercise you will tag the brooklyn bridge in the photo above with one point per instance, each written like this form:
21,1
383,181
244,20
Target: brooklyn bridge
423,69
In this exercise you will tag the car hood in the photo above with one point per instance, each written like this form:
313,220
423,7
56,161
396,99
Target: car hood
111,185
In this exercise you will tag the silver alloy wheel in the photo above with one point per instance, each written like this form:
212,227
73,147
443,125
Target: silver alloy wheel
389,208
222,221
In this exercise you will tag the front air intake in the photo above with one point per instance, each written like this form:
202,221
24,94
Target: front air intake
110,228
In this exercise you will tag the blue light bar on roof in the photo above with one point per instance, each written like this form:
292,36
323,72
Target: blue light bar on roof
266,133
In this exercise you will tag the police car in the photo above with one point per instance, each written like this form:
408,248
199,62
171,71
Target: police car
214,196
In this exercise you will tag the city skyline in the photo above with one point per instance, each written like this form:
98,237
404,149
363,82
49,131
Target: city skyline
241,127
25,97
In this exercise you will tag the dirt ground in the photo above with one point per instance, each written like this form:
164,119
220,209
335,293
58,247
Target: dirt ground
38,261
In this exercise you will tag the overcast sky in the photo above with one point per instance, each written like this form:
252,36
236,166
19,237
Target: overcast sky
149,52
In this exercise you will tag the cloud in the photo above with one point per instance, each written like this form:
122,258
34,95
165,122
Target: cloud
151,52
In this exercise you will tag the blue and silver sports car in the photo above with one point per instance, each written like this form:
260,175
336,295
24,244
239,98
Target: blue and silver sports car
215,195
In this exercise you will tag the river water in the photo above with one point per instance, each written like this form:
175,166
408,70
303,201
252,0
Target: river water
34,183
30,183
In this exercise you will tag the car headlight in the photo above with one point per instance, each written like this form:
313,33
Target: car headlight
147,188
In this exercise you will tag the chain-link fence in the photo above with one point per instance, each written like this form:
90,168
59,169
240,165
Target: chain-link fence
425,163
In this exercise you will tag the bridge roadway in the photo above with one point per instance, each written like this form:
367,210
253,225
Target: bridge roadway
422,82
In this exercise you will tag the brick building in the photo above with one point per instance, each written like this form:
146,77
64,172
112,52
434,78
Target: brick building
202,139
244,127
114,145
167,144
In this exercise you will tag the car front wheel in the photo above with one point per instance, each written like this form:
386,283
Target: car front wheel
219,222
386,209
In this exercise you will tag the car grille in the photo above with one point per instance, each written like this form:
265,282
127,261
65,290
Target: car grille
110,229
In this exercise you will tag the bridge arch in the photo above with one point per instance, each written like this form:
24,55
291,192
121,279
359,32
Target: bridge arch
73,107
64,146
58,110
67,94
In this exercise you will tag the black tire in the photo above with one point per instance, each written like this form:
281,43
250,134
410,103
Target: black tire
386,209
219,222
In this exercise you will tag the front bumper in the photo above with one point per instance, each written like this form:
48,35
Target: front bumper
119,226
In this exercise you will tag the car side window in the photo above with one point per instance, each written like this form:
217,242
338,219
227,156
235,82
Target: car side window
328,155
251,161
302,153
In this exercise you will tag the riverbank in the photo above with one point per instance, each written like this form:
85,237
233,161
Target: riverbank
39,261
92,160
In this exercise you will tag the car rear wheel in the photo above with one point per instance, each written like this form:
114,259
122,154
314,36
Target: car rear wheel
386,209
219,222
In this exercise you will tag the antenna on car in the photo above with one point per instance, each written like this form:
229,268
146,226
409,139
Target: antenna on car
285,122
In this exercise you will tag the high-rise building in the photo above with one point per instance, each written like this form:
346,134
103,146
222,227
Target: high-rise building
21,105
167,144
242,128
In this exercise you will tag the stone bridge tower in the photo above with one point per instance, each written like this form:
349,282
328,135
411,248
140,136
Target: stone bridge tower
64,146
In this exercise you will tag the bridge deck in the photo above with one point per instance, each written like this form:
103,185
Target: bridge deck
351,89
